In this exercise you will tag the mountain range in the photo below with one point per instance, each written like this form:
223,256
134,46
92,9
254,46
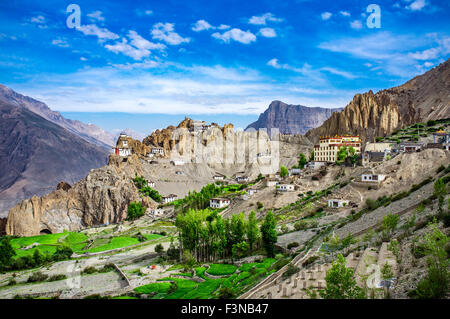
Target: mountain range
36,153
423,98
291,119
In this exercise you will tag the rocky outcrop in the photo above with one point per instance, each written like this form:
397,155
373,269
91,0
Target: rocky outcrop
36,154
64,186
291,119
366,115
100,198
426,97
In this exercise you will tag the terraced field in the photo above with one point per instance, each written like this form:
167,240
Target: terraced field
238,279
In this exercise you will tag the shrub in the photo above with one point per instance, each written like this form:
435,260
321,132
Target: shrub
89,270
226,293
107,268
57,277
159,248
135,210
259,205
37,277
292,245
290,271
62,253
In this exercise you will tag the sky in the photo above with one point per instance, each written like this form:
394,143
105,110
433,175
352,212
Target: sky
145,64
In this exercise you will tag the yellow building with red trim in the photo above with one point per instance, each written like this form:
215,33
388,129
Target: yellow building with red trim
328,147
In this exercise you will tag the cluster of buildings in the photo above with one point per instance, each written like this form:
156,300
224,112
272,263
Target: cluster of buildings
328,147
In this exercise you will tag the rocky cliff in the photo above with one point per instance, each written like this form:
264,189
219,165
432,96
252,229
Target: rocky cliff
426,97
89,132
291,119
2,226
100,198
36,154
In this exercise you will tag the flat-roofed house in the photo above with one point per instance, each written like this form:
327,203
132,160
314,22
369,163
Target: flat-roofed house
218,177
242,179
370,177
286,187
337,203
169,198
219,202
157,151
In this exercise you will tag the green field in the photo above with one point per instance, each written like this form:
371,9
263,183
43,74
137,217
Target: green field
76,241
249,275
221,269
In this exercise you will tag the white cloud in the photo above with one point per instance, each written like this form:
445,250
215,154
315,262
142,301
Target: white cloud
96,16
128,50
61,43
274,63
83,58
101,33
141,13
165,32
428,54
417,5
38,19
345,13
344,74
262,19
326,15
141,43
396,55
428,64
356,24
223,27
268,32
201,25
235,34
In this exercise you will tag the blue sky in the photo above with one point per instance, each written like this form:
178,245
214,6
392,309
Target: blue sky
216,60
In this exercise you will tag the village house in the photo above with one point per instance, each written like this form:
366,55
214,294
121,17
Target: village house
157,151
409,147
378,147
370,177
286,188
219,202
295,171
271,182
241,179
169,198
157,212
218,177
177,162
251,191
179,173
337,203
315,164
328,147
150,155
151,184
372,158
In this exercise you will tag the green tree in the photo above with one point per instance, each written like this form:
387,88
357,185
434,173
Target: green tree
159,248
269,233
240,249
252,230
38,257
7,252
342,154
390,222
340,282
311,156
435,284
284,171
135,210
302,161
440,191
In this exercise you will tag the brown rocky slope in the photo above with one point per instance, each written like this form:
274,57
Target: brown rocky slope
100,198
426,97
